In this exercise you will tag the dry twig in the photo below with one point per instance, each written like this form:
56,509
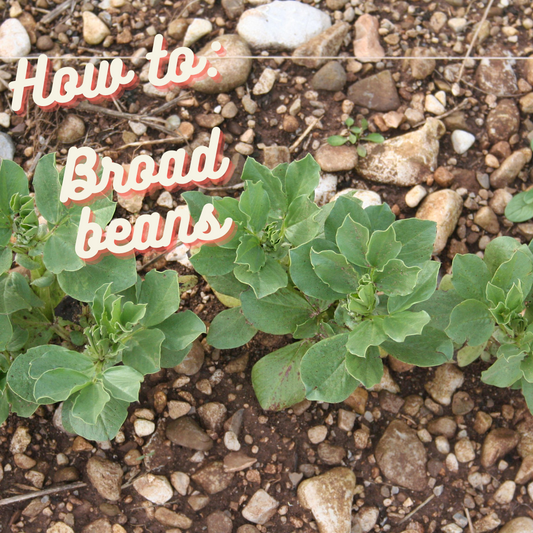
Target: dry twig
40,493
52,15
303,135
423,504
470,526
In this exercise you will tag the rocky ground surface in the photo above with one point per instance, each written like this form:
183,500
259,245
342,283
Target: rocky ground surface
427,450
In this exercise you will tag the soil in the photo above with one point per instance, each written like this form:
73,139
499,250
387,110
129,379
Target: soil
281,438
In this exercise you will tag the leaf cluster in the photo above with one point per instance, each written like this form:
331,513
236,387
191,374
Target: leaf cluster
355,135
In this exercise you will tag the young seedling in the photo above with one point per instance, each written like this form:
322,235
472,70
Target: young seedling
356,135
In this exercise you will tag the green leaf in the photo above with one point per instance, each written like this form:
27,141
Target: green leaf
230,329
143,351
255,204
396,279
60,357
90,403
527,391
250,253
180,330
526,366
103,209
226,284
58,384
83,283
267,280
417,238
324,373
195,202
24,261
123,383
365,334
374,138
517,269
300,209
18,377
6,260
494,294
431,348
519,209
468,354
404,324
470,321
349,121
380,216
48,189
303,273
107,425
160,292
59,250
361,151
499,251
337,140
503,373
302,178
213,260
439,307
16,294
12,181
278,313
255,172
342,207
20,406
276,377
470,276
382,247
352,239
368,370
426,283
6,331
333,269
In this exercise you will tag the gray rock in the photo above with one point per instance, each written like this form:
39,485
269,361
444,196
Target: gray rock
187,433
14,40
443,207
405,160
522,524
213,478
366,46
261,508
510,168
219,522
72,129
7,147
329,497
498,443
445,426
487,219
336,158
275,155
496,76
172,519
331,454
233,8
367,518
282,25
421,66
448,378
331,77
503,121
233,72
326,44
102,525
377,92
402,457
193,361
106,477
265,83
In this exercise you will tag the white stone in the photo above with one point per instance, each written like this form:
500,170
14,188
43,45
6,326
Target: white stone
367,198
5,120
20,440
180,481
462,141
505,492
317,434
451,463
231,441
165,200
138,128
432,105
260,508
327,186
94,28
196,30
282,25
143,428
367,518
415,195
266,82
156,489
14,40
442,444
458,24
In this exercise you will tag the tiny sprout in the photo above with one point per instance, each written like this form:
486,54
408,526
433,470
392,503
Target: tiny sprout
356,134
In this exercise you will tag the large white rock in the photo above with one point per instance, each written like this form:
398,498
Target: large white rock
282,25
14,40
